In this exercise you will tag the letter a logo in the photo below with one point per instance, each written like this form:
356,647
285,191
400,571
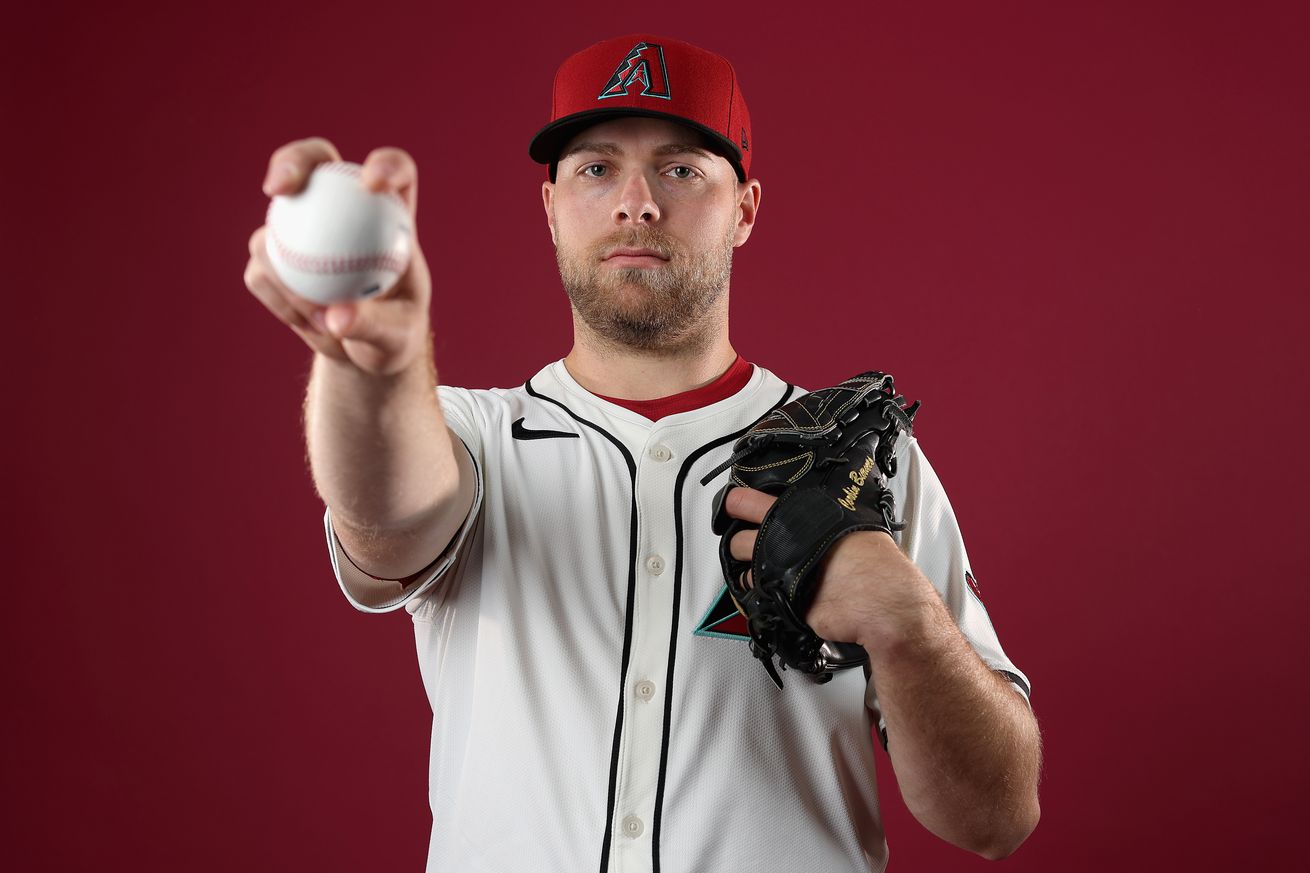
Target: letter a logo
644,65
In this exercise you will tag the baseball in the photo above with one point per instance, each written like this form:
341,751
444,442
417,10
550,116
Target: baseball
335,240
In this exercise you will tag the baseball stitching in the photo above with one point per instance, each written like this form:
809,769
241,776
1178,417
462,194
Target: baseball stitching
329,264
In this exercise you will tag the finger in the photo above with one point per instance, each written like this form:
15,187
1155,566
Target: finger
267,293
749,504
264,283
392,169
742,544
290,166
313,335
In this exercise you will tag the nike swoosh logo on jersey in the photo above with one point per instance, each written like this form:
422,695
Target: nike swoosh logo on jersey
519,432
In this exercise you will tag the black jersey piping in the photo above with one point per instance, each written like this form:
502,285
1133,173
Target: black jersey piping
627,618
673,631
1017,680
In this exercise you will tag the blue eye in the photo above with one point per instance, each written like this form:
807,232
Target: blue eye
587,170
688,169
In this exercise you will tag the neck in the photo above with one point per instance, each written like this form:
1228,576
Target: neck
647,374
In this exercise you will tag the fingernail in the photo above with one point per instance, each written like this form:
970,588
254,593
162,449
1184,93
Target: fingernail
278,176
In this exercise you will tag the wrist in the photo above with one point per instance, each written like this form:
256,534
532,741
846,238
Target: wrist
909,612
916,632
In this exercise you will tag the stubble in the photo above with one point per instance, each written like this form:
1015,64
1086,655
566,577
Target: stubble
659,309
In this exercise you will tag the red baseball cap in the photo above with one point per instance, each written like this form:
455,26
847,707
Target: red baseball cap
648,76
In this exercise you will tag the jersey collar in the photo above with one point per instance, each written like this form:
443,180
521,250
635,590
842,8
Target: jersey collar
728,384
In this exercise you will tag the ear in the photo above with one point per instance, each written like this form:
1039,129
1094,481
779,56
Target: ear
748,207
548,201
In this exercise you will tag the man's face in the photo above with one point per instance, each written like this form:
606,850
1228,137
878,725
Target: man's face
644,220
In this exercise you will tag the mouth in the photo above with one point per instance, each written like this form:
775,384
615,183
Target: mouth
630,257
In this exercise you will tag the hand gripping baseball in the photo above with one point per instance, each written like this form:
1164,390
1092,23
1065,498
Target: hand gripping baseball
380,335
827,456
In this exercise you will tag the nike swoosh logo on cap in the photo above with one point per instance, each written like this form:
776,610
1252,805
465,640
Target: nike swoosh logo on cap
519,432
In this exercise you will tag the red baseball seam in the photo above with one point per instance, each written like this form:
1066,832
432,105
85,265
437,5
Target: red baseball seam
332,264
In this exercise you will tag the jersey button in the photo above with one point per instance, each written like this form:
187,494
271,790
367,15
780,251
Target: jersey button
632,826
645,689
655,564
660,453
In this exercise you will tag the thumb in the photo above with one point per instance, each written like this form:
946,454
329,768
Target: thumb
379,336
383,323
339,318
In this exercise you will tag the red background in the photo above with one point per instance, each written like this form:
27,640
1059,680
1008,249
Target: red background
1077,232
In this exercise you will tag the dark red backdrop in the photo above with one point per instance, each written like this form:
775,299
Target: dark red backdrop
1077,234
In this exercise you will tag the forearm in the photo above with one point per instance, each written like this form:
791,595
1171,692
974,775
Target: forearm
964,744
382,460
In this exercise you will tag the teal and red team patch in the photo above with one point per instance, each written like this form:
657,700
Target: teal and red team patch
722,620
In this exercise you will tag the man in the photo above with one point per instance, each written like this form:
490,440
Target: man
593,697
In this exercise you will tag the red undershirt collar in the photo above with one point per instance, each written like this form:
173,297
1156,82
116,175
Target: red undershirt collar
732,381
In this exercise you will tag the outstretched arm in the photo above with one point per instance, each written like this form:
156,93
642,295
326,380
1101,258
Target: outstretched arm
382,457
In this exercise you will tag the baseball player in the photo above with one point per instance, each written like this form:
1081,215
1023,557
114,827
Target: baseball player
594,698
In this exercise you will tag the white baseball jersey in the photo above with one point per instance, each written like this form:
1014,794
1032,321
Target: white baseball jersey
595,702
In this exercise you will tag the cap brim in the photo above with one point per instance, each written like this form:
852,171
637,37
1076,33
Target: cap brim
551,139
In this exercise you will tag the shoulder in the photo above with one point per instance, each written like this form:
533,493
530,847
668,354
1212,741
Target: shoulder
486,403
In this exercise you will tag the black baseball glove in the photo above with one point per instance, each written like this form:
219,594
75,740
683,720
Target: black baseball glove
828,456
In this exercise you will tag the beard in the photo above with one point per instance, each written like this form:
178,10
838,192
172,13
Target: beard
659,309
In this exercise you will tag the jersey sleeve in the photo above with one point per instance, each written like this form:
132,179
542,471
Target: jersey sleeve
369,594
932,540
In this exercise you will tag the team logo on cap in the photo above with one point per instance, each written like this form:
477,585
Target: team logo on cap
643,65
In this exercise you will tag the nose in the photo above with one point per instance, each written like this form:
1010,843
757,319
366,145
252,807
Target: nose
636,201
